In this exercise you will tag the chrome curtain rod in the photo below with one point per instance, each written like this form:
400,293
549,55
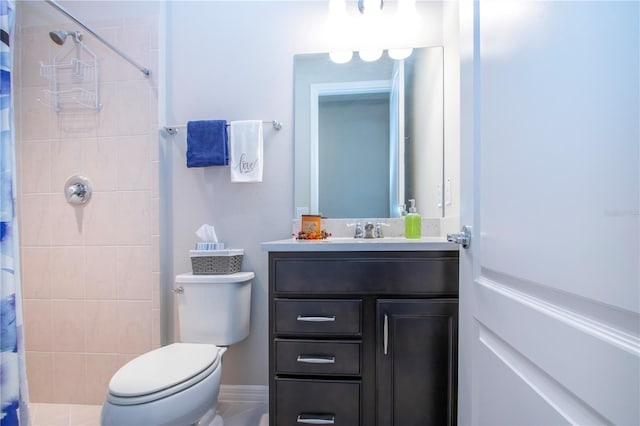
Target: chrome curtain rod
62,10
172,130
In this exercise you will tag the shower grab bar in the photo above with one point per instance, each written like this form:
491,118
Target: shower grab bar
172,130
62,10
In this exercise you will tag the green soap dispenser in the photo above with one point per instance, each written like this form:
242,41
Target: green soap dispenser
412,222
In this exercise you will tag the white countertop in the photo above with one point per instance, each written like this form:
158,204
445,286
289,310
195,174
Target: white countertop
362,244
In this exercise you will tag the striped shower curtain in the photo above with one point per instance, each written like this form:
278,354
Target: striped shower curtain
13,390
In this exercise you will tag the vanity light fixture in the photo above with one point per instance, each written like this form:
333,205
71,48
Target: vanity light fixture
371,26
370,55
337,25
399,54
341,57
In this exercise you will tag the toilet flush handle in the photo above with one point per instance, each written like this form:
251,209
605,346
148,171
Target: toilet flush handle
178,290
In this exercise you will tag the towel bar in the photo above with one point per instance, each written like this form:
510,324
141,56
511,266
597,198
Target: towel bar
172,130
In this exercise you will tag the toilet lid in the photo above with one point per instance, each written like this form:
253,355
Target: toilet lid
163,368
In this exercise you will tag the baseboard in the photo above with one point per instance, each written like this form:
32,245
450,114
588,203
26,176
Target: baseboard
244,393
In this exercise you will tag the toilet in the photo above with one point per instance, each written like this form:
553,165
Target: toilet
178,384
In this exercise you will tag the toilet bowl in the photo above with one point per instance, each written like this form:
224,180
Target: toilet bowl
172,385
179,384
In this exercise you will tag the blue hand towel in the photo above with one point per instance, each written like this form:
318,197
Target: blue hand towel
207,143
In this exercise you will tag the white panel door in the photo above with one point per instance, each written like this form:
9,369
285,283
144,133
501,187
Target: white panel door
550,287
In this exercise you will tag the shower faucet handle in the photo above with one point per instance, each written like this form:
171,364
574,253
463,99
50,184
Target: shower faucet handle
77,190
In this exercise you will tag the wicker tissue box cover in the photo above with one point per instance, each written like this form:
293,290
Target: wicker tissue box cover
216,262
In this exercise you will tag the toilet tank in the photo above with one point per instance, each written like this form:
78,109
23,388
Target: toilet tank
214,308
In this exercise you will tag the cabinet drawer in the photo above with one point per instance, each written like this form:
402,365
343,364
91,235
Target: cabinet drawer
317,317
420,273
300,402
314,357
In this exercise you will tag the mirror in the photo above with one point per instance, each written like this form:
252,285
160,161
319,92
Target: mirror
369,135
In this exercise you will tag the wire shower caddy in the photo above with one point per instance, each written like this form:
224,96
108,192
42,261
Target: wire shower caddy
73,80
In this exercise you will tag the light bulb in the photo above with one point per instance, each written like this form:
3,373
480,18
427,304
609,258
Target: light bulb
370,55
341,57
400,53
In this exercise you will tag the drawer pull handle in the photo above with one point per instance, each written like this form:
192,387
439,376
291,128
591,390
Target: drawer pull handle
317,419
385,333
317,359
316,319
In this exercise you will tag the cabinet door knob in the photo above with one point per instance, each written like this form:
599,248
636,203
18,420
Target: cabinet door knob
317,419
316,319
317,359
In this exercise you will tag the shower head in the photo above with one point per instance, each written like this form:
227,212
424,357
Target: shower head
59,37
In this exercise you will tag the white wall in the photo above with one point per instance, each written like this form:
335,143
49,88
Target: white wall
425,135
234,60
451,42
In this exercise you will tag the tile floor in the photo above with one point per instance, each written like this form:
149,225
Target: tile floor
233,413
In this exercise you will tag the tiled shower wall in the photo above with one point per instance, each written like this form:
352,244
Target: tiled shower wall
90,274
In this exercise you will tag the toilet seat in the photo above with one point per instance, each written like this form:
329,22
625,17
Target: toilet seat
162,372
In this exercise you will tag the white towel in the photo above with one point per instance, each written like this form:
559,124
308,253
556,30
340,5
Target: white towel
245,150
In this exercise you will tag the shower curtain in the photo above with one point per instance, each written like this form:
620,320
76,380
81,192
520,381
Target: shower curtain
13,389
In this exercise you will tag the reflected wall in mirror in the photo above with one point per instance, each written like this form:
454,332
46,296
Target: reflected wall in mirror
369,135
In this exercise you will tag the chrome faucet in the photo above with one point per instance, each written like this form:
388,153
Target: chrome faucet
359,233
368,230
378,231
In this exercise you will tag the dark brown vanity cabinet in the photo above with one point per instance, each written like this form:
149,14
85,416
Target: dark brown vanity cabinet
416,366
363,338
